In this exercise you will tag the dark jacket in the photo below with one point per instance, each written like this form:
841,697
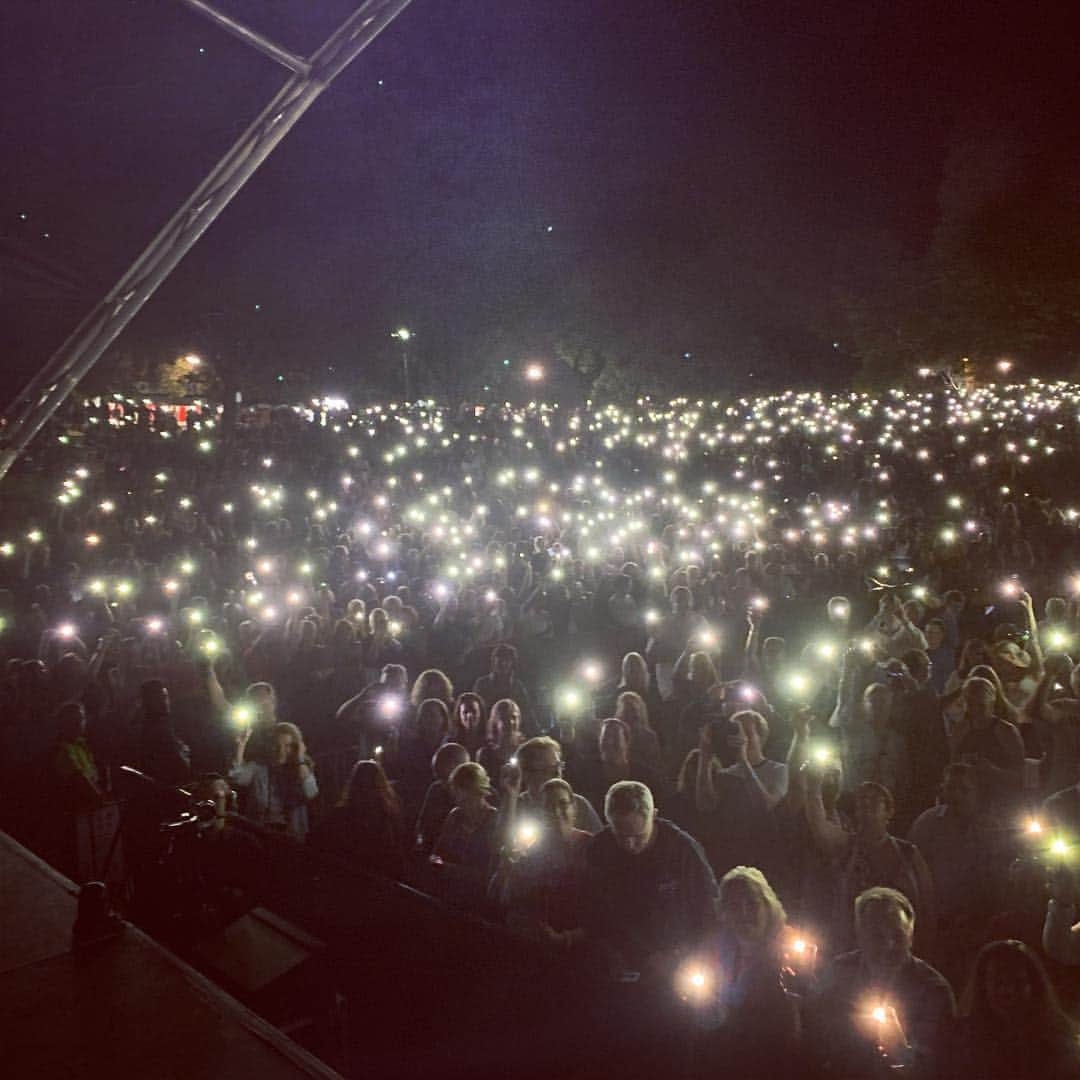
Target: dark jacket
636,906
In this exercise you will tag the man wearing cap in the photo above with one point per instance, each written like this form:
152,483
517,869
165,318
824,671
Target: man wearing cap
1018,668
1013,666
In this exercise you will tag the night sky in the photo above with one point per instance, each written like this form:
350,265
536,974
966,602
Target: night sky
689,176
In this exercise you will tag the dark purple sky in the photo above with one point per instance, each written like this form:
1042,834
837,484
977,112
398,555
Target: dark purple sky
711,171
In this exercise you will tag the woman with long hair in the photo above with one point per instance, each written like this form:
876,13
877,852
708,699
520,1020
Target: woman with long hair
432,683
645,755
280,781
367,827
410,750
467,721
752,1025
1012,1025
503,736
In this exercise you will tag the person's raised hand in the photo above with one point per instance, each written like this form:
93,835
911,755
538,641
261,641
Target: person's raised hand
738,742
800,721
705,744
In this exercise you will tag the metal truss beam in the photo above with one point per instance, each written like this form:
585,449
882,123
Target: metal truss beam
47,391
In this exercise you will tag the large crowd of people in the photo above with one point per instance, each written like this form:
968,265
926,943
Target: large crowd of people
764,705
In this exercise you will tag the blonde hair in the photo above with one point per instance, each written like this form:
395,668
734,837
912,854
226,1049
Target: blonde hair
471,778
637,702
752,878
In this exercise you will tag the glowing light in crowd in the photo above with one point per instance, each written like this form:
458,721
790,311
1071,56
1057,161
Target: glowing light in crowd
528,832
591,671
694,982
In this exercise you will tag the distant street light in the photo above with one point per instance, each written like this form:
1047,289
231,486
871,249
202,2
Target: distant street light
534,372
192,360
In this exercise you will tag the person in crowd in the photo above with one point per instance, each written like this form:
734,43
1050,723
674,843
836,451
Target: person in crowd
671,637
941,654
366,719
1062,810
751,1022
634,676
993,746
1020,668
916,713
468,842
1061,926
593,775
698,696
538,761
539,880
432,683
1012,1025
280,786
870,856
502,682
366,829
439,800
894,629
737,789
649,894
1054,711
77,780
163,755
411,742
503,736
968,863
880,1008
468,724
382,646
975,653
645,754
874,748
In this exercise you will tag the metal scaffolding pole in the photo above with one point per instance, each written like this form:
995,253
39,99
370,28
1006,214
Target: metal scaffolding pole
46,392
